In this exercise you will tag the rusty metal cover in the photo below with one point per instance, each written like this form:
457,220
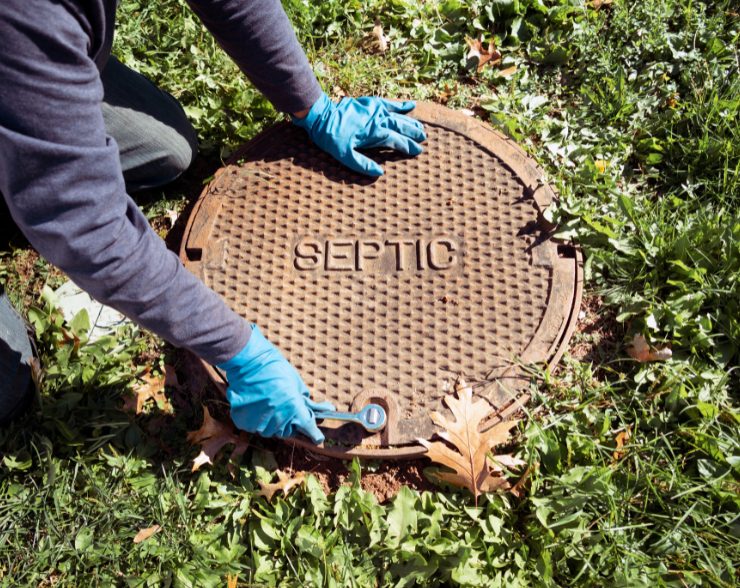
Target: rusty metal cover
390,289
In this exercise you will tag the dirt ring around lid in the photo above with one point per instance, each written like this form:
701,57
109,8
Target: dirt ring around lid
389,289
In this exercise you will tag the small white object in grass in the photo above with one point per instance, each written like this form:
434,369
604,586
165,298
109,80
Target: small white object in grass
172,215
104,320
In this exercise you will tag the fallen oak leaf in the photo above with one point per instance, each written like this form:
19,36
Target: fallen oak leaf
516,489
621,438
493,483
285,482
212,436
150,387
144,534
377,41
447,92
201,459
470,465
483,55
507,461
641,351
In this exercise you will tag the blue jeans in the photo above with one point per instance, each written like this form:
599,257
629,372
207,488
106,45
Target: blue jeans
155,140
156,143
15,358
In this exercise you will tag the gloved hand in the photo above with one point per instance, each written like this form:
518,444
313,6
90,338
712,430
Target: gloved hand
266,394
362,123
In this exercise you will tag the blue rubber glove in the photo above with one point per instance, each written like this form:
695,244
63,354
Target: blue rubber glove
266,394
362,123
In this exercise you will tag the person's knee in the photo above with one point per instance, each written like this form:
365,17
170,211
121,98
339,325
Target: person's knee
167,151
155,139
179,153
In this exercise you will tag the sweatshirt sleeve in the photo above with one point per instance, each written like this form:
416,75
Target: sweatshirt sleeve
260,39
61,178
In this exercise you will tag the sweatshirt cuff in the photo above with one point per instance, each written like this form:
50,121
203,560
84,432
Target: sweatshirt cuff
317,110
300,101
230,347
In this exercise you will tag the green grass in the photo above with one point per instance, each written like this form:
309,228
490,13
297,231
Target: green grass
633,112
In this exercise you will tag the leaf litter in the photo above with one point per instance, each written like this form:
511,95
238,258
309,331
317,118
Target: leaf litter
151,388
144,534
212,437
286,482
376,41
621,440
465,449
640,350
483,55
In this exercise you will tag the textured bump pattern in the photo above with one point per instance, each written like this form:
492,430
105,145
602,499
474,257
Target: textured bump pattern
406,333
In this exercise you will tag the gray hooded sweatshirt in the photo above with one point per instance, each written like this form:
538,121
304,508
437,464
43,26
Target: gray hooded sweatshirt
60,172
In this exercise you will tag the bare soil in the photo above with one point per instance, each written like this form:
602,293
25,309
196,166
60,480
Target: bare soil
383,479
599,336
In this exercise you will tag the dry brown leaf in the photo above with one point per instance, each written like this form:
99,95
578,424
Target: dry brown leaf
212,436
621,439
470,464
484,55
285,482
516,489
447,93
144,534
597,4
150,387
201,459
376,42
641,351
507,461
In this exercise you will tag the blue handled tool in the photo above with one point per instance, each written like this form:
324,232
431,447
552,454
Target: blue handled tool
372,417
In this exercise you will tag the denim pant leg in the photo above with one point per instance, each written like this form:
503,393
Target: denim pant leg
155,139
15,358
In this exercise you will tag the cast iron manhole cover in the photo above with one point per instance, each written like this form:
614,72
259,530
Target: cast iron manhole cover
389,290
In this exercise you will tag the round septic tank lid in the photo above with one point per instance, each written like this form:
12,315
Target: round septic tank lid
389,289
